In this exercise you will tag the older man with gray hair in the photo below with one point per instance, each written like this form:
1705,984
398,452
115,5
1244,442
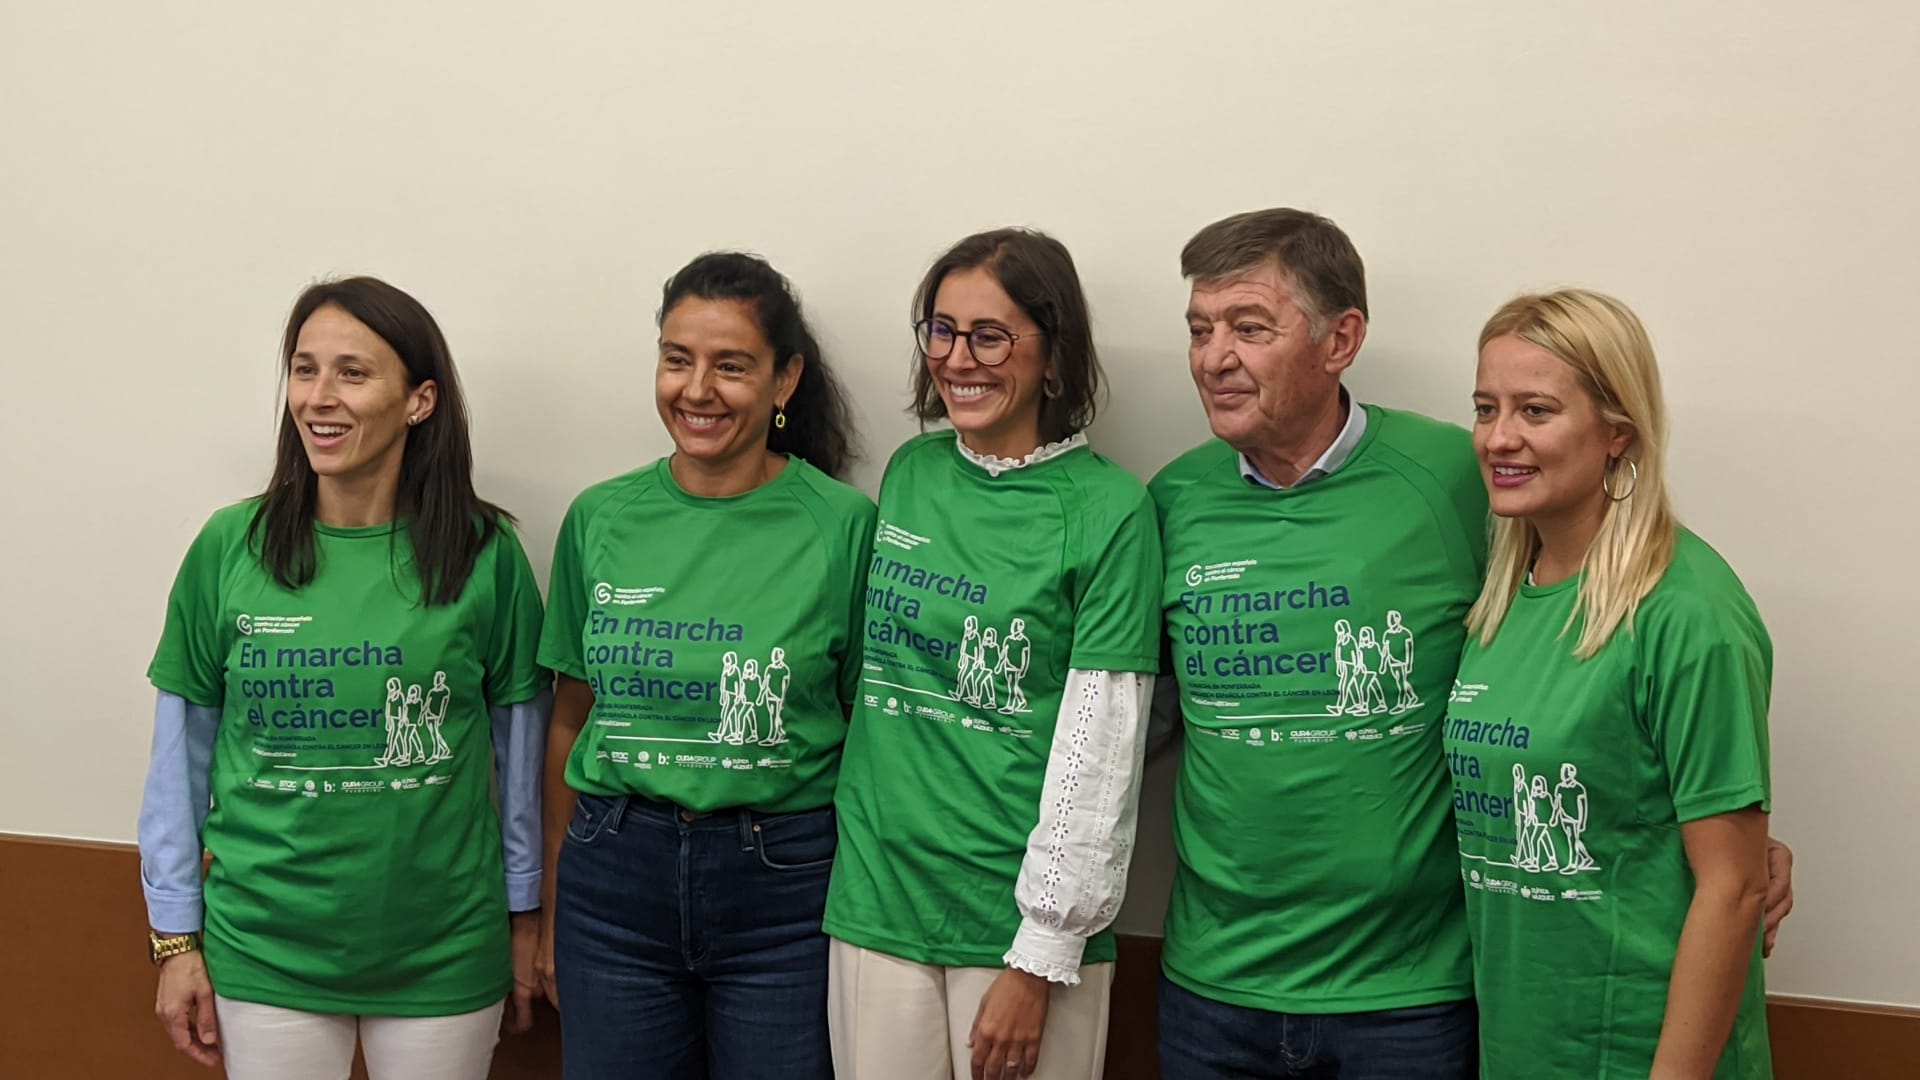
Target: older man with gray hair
1317,926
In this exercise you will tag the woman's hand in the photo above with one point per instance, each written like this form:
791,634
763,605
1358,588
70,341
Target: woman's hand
543,965
1006,1031
524,930
184,1005
1779,891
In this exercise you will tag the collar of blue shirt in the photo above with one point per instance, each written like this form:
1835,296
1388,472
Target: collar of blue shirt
1336,455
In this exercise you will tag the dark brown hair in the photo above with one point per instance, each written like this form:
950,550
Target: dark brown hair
1326,272
819,427
447,523
1038,274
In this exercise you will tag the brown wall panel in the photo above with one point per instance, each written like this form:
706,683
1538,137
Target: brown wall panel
76,992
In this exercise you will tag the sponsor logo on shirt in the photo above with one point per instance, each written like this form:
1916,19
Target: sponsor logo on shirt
1207,573
889,533
249,625
1464,693
606,593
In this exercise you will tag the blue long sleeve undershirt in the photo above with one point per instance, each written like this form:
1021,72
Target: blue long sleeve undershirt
173,810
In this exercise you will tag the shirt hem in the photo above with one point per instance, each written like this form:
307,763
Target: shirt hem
562,666
1125,663
1716,803
360,1006
166,684
1319,1005
982,956
522,693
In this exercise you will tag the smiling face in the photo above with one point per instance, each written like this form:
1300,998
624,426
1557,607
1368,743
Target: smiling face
1542,442
717,383
995,409
349,396
1250,348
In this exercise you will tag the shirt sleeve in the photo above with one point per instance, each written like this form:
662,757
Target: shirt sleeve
1074,874
861,544
1708,712
173,810
519,752
1116,615
190,660
514,674
560,635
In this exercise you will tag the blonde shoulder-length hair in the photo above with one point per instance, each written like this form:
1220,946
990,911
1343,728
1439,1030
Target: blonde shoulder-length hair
1602,340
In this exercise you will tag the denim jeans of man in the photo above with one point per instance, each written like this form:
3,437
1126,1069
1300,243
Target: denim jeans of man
1203,1039
689,947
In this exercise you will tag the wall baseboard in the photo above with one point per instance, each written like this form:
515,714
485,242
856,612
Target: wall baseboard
78,1000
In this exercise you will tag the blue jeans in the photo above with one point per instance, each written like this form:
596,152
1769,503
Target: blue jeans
1203,1039
687,949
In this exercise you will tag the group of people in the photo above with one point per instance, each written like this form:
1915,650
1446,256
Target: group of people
914,870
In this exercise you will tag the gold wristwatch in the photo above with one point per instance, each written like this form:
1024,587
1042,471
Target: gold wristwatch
161,947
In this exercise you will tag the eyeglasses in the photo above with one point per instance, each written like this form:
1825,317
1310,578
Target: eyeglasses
989,345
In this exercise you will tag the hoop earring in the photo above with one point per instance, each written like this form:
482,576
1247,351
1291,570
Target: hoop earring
780,417
1633,477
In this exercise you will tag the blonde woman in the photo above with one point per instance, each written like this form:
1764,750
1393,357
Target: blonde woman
1615,644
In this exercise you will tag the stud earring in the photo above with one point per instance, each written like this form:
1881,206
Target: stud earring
414,419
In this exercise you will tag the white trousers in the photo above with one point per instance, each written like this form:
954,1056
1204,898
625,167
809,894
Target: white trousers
265,1042
893,1019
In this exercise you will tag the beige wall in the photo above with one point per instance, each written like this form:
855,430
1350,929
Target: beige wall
173,173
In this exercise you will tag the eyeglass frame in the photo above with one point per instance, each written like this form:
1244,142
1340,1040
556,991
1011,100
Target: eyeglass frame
967,335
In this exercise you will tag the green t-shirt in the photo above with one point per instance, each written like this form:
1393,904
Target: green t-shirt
717,635
1571,781
982,592
1314,632
356,847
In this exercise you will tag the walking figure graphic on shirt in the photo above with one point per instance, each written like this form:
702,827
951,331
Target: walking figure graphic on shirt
412,750
968,662
1343,645
396,716
983,676
1366,676
432,712
1540,855
773,694
1396,648
1016,655
729,666
1523,818
1570,813
746,724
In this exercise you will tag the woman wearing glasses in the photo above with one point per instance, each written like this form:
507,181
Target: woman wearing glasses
991,772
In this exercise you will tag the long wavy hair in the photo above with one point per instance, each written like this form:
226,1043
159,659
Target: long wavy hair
1602,340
